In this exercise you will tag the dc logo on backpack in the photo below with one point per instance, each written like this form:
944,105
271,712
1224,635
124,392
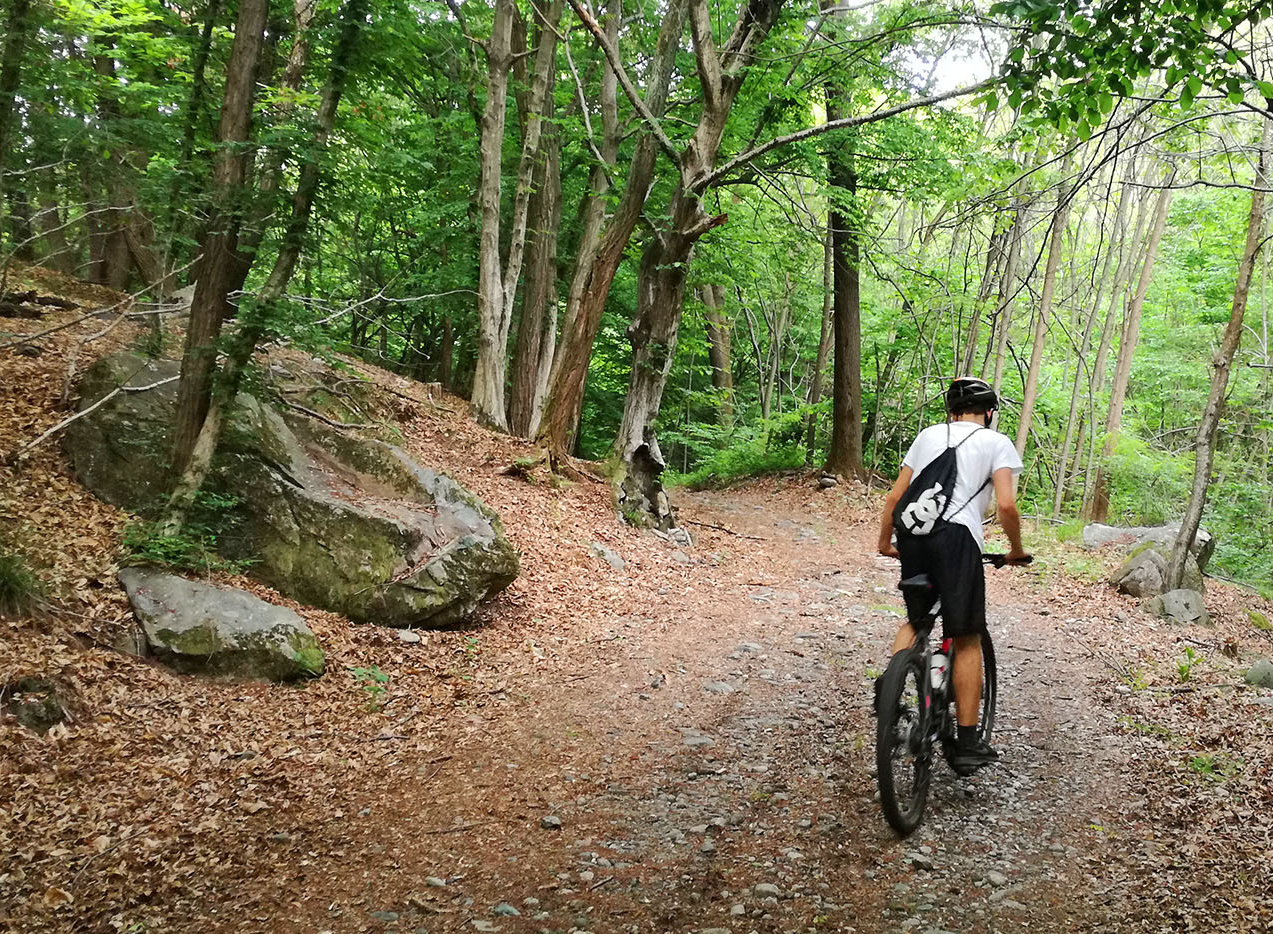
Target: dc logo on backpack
920,516
923,507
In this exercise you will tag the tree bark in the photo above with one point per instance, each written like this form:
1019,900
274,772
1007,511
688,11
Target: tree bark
820,362
252,331
211,304
1007,295
1059,219
496,292
1099,510
538,324
719,352
1221,365
844,456
595,268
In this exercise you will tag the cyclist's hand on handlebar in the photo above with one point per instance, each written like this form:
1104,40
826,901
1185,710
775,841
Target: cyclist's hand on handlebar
1018,558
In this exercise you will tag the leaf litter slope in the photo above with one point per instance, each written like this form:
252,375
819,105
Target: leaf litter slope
697,723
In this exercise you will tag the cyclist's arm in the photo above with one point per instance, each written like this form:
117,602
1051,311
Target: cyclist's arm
1009,516
890,503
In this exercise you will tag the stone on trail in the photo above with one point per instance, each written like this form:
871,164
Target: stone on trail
35,703
198,627
767,890
718,687
609,556
1260,674
1179,606
505,910
1144,574
551,822
338,521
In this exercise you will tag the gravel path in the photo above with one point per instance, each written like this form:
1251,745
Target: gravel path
713,773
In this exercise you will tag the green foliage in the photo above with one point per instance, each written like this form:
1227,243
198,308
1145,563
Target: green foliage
20,589
725,455
1259,621
193,548
1185,666
1216,768
372,681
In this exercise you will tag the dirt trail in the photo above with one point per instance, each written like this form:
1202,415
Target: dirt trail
713,772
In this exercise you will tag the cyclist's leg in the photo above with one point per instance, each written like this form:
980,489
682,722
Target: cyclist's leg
916,558
967,679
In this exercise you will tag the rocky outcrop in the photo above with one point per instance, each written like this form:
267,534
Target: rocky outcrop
1163,536
196,627
1144,574
1180,606
337,521
1260,674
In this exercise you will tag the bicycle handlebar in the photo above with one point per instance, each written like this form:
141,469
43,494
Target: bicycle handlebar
1001,560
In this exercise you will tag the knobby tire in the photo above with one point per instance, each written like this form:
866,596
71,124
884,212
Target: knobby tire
903,755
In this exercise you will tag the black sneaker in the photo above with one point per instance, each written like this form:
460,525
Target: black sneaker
968,759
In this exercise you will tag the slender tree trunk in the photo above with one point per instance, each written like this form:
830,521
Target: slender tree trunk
251,332
538,323
844,456
1099,510
1059,219
719,352
211,304
994,258
1073,420
17,26
595,268
1007,295
824,342
1221,365
496,292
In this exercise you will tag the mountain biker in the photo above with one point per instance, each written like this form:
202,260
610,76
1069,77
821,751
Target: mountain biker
951,554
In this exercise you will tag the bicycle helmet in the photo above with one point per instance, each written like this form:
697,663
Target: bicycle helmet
970,394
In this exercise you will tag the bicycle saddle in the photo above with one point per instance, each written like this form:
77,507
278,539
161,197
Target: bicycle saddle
917,582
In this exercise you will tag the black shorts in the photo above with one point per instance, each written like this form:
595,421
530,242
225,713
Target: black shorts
951,559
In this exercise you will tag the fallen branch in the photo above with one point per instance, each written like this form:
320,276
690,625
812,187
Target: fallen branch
721,528
11,459
323,418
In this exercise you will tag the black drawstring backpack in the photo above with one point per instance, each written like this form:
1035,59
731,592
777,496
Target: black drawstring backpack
924,506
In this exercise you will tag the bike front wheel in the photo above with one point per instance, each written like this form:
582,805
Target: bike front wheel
903,751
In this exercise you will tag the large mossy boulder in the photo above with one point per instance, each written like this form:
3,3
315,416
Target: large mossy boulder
1097,535
338,521
1179,606
196,627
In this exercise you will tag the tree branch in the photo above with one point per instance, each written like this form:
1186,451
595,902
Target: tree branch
612,55
809,132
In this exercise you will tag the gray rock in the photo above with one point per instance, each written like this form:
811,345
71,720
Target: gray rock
767,890
197,627
680,557
750,648
435,882
699,742
1097,535
681,537
921,861
344,523
1260,674
827,482
718,687
1179,606
35,703
996,879
551,822
408,636
384,915
1144,574
608,555
505,910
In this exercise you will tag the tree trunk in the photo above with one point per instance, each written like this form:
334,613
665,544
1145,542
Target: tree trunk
994,257
595,267
15,41
844,457
251,331
539,299
496,292
211,305
1059,219
1221,365
1099,509
1007,295
1113,246
719,352
820,362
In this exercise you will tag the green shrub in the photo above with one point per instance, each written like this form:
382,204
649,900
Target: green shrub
20,589
191,549
725,455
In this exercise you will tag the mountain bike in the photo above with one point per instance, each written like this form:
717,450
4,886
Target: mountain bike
916,708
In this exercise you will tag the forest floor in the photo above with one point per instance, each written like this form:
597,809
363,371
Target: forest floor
683,745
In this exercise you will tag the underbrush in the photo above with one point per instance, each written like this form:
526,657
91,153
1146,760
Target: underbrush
193,548
722,456
20,589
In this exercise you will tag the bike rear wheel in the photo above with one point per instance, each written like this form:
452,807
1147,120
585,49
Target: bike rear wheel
903,752
989,688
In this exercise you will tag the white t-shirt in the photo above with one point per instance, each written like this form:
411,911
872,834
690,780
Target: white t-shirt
984,453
